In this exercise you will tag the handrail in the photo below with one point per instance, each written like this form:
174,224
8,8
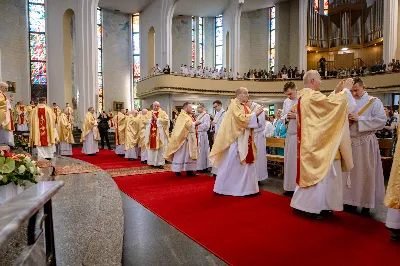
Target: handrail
25,206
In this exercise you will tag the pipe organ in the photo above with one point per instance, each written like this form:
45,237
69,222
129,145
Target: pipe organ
346,23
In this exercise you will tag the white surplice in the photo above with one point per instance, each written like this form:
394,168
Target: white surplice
259,140
328,193
6,137
181,161
65,148
367,181
203,162
156,157
269,130
22,127
143,155
290,151
132,153
218,121
393,219
90,145
235,178
120,149
46,151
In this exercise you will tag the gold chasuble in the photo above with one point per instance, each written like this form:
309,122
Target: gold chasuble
155,141
142,132
392,199
5,115
131,132
120,125
323,130
57,113
41,127
65,129
20,119
180,133
233,127
88,126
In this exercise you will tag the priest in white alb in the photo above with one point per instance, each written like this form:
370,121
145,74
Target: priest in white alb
203,163
42,134
157,135
182,148
234,151
65,136
120,125
290,152
366,188
132,135
259,140
324,147
90,134
216,123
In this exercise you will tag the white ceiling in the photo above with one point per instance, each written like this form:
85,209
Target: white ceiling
202,8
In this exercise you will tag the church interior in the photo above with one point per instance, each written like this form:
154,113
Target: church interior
183,132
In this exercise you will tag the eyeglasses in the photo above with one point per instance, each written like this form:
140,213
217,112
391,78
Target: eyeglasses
215,106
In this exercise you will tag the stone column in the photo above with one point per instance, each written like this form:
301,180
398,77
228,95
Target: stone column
302,35
390,16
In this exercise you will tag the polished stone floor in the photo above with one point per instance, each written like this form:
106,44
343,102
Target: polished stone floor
149,240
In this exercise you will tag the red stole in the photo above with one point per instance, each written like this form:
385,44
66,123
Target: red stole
111,119
22,115
250,154
42,127
56,113
153,132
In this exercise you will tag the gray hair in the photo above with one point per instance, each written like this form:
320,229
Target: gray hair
3,85
202,105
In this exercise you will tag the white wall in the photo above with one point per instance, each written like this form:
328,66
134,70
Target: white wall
232,15
14,47
181,42
117,59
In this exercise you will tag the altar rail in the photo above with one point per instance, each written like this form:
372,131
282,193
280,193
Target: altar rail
170,84
26,207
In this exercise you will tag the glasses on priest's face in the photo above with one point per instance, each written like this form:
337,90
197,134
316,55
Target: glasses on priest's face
215,106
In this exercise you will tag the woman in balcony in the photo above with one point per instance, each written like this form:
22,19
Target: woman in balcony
167,70
280,130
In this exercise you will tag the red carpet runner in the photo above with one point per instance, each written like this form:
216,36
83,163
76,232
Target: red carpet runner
106,159
260,230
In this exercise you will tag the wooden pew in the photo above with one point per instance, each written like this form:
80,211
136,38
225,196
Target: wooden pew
386,145
276,161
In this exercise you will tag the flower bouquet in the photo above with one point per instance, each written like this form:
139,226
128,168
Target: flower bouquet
17,169
20,141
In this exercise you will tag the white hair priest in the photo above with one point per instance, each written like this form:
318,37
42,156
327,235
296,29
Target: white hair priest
90,134
65,136
234,151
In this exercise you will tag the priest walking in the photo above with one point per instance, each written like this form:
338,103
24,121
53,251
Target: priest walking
132,136
366,187
157,132
120,125
90,134
216,123
234,151
324,147
182,148
42,133
203,162
66,138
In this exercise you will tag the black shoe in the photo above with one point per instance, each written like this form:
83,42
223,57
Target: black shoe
121,155
131,159
314,216
110,149
326,213
365,212
160,167
178,174
288,193
214,175
349,209
102,148
395,236
93,154
191,173
144,162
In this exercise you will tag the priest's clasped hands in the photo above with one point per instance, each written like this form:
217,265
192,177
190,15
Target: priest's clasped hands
344,83
259,109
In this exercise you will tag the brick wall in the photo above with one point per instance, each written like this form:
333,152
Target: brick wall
181,42
14,47
117,58
254,40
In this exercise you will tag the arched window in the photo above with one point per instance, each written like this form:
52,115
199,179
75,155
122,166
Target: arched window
201,41
136,57
37,43
219,40
100,57
193,41
326,7
272,39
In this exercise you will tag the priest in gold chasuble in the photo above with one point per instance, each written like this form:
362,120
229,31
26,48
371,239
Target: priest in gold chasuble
65,136
42,135
156,136
132,135
90,134
6,119
182,147
324,146
120,125
142,139
21,116
234,151
392,199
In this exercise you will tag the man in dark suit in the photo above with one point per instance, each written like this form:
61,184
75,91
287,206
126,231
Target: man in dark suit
103,129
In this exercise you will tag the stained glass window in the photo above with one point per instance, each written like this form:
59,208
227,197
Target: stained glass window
136,57
193,41
219,40
100,58
316,5
37,41
201,42
272,39
326,7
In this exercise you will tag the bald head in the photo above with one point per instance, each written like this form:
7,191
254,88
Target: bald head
3,86
156,106
144,111
242,94
312,80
